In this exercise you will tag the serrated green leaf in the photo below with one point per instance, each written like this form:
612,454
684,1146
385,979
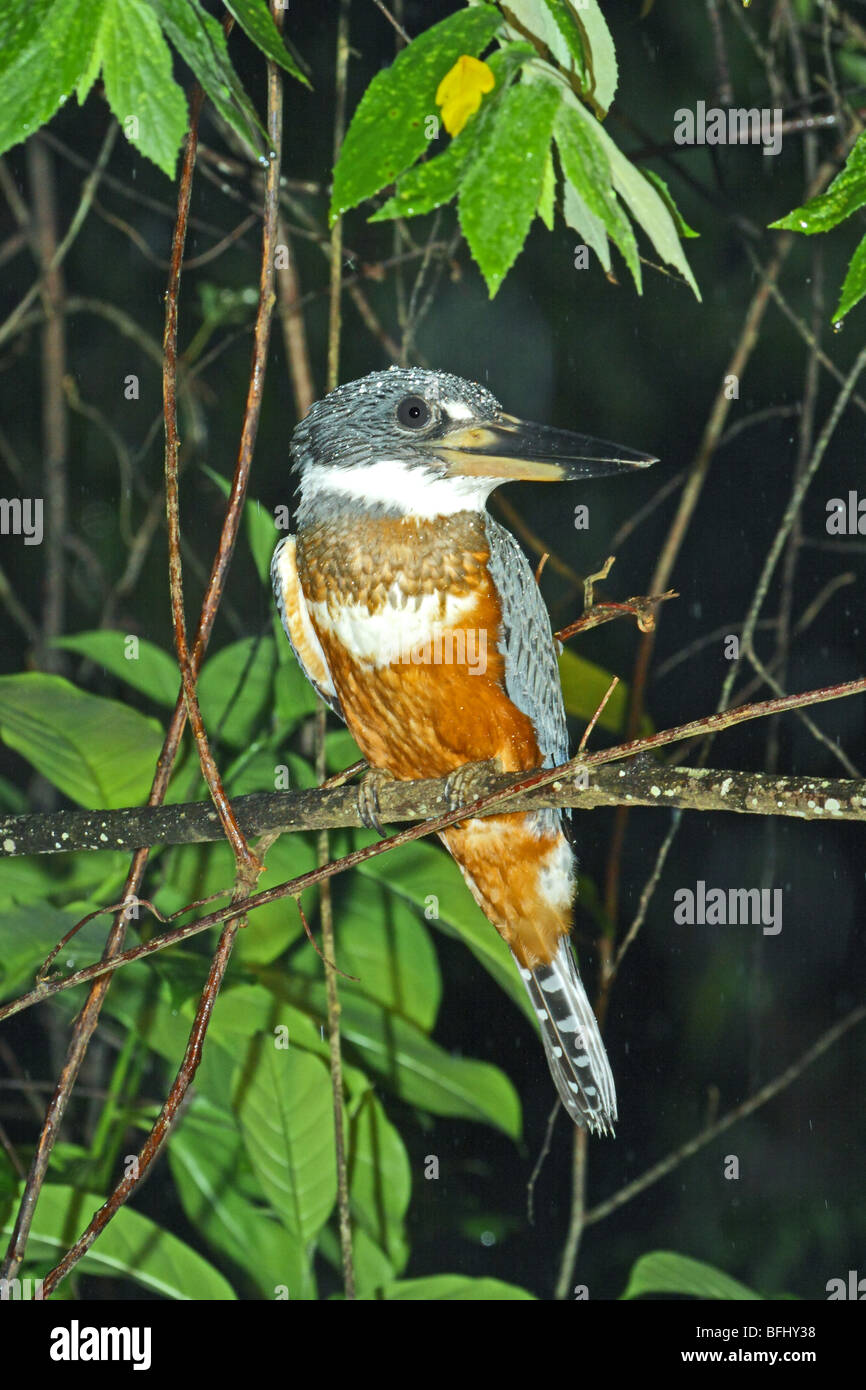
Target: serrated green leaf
98,752
854,286
152,671
387,134
201,42
431,184
604,74
562,14
499,195
440,1287
436,181
587,167
20,23
548,193
646,206
552,23
45,53
286,1117
845,195
585,223
257,22
131,1246
680,222
137,71
663,1271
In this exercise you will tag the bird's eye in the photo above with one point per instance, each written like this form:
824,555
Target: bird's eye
413,413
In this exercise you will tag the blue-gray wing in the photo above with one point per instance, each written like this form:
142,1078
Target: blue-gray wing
527,643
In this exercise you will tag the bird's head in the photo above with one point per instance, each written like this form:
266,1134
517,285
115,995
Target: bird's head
413,442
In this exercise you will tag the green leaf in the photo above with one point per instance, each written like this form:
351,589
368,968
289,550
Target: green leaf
262,536
198,871
500,192
647,207
235,689
387,132
99,752
845,195
602,54
286,1117
587,167
680,222
419,1072
248,1013
29,931
381,941
584,686
438,1287
547,196
663,1271
257,22
436,181
259,521
201,42
585,223
206,1158
30,877
431,184
380,1181
131,1246
137,71
854,287
429,879
152,671
20,23
45,50
563,17
294,697
578,40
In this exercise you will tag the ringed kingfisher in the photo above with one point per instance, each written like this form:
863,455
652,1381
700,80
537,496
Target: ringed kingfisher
419,621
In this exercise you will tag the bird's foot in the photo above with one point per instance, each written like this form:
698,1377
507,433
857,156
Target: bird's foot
469,782
368,797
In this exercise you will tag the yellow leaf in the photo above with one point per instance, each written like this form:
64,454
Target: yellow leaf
460,91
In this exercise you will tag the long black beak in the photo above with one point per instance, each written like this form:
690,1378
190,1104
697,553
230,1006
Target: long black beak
518,449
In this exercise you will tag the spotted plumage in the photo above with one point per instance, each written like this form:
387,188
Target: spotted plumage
419,621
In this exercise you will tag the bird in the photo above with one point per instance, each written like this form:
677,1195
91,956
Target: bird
418,620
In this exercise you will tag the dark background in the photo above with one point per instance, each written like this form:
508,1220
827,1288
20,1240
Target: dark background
700,1016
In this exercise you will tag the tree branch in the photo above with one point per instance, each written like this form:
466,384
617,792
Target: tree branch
642,782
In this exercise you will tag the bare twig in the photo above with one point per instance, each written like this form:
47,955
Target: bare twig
740,1112
323,851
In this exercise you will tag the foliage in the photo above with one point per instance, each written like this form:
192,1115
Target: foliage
54,47
252,1160
845,196
499,166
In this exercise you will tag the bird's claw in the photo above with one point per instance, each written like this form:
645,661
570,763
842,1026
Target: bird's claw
468,782
368,798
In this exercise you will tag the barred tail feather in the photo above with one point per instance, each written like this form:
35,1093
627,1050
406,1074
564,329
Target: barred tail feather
572,1040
